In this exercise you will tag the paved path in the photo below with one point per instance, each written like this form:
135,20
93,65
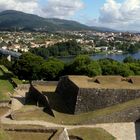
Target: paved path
122,131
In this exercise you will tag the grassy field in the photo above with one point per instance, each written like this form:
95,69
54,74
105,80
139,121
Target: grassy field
34,113
17,135
91,134
3,68
18,126
84,133
28,136
17,81
10,75
4,135
5,87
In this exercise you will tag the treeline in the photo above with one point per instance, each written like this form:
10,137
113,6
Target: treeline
126,46
32,67
60,49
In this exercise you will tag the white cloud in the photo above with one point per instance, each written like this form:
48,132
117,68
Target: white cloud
53,8
29,6
123,15
62,8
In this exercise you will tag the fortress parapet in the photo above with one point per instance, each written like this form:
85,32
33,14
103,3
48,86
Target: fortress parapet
83,94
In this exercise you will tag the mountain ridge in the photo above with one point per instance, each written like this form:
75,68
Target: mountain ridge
11,20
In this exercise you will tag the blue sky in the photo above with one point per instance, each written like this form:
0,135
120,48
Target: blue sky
117,14
91,7
90,11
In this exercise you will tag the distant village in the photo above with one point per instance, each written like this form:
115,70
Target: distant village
90,41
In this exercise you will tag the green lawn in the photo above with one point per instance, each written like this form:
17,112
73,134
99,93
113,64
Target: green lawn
10,75
4,135
4,69
91,134
35,113
5,87
17,81
28,136
18,135
84,133
6,77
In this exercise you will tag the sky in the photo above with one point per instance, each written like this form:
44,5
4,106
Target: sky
116,14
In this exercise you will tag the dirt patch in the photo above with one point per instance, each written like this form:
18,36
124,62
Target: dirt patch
3,110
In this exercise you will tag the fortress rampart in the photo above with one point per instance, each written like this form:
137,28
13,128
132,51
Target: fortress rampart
83,94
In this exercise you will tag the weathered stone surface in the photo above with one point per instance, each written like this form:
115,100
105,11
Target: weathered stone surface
4,103
68,92
129,115
80,99
93,99
34,97
64,135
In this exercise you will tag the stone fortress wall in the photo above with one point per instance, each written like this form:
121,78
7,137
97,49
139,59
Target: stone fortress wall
83,94
93,99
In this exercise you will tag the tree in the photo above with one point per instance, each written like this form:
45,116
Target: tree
5,62
133,49
112,67
123,70
28,67
129,59
52,69
59,49
94,69
135,67
83,65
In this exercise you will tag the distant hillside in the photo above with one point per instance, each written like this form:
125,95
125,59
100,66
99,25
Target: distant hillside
11,19
16,20
103,29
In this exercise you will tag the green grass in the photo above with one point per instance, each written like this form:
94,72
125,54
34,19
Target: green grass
18,135
34,113
4,135
10,75
19,126
28,136
4,69
84,133
5,87
91,134
17,81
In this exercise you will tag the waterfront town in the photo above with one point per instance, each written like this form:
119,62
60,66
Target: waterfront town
90,41
70,70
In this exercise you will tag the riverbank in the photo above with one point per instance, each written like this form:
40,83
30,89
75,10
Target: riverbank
118,56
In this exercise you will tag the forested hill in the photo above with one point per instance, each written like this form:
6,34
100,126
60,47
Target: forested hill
11,19
15,20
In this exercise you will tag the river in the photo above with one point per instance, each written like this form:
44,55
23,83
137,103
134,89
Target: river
118,57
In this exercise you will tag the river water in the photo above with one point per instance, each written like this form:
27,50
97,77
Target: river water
118,57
